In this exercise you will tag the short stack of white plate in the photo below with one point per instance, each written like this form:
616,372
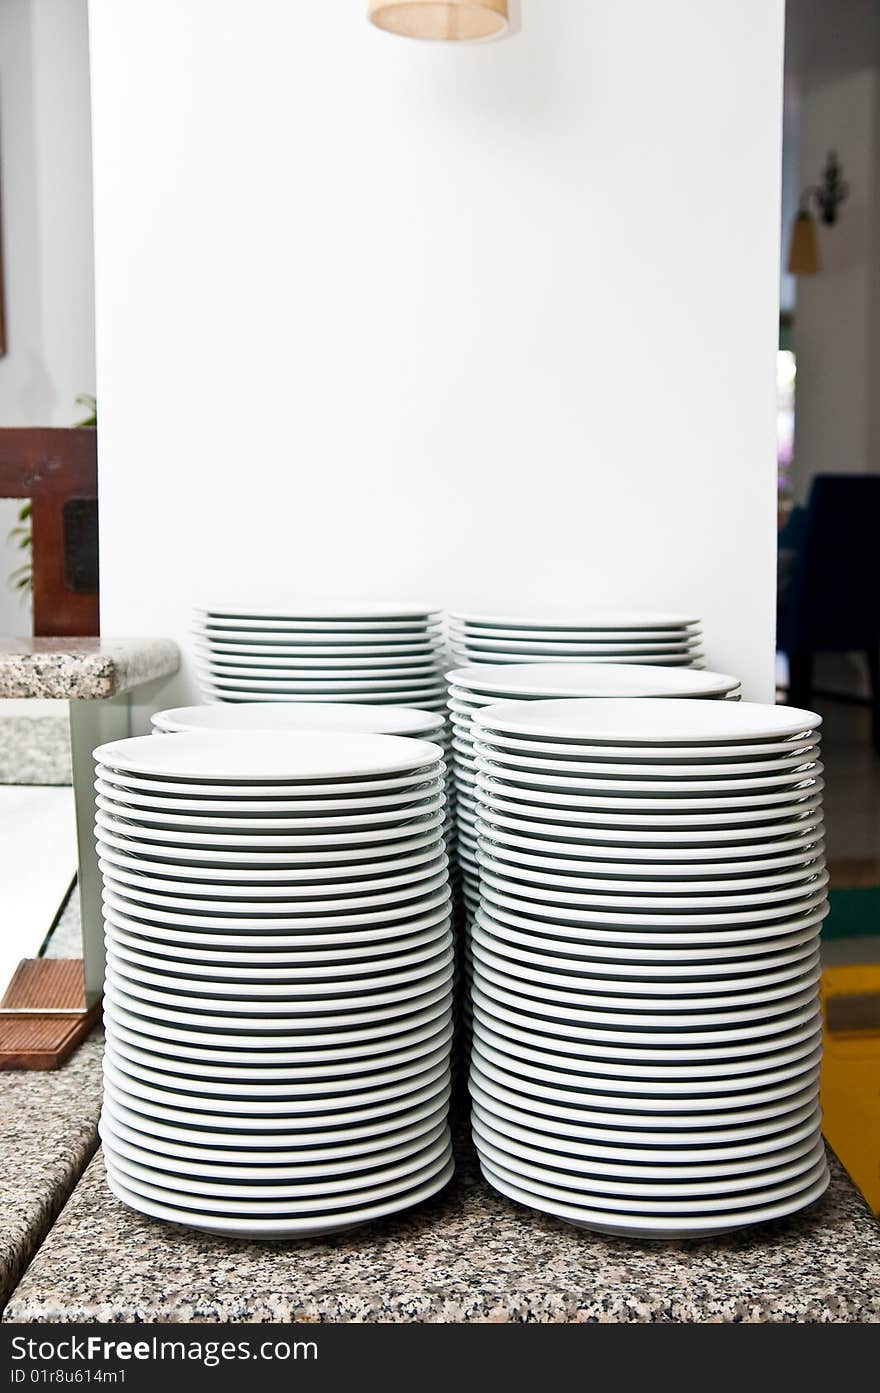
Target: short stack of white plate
473,688
388,654
584,636
646,1020
279,978
363,719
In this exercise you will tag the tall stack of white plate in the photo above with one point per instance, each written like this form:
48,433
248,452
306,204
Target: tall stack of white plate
473,688
579,635
646,1020
388,654
279,978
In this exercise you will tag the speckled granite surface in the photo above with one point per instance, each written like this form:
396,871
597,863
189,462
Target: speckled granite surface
469,1255
34,749
48,1134
82,669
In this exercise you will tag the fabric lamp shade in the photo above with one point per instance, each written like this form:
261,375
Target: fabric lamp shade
803,252
440,19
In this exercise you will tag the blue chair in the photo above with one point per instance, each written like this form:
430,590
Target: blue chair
832,604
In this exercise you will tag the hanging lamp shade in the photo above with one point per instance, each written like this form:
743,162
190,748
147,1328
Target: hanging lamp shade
803,252
440,19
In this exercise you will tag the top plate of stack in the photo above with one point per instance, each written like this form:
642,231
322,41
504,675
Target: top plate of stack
364,719
598,636
389,654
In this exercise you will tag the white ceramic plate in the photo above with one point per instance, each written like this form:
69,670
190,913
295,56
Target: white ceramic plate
535,1071
283,682
309,1201
250,825
344,894
267,607
492,970
431,700
648,1182
672,1205
269,756
334,859
281,1228
219,1061
468,656
633,1015
271,950
537,1049
281,963
716,794
692,757
319,1046
572,617
408,1116
290,1003
253,809
318,643
149,1149
575,645
668,722
253,845
609,974
264,1091
633,878
290,658
142,1136
288,1188
644,920
144,1150
638,777
658,1046
717,1131
270,1114
673,634
302,922
642,1163
539,932
366,720
276,880
764,835
345,1031
687,1113
253,910
768,852
221,789
594,894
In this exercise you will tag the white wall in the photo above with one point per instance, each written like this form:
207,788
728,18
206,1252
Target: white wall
837,325
46,195
493,324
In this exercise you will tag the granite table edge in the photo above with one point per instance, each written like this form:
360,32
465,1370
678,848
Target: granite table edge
468,1255
48,1135
82,669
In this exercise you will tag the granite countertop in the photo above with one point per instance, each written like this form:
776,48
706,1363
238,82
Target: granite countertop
469,1255
48,1134
82,669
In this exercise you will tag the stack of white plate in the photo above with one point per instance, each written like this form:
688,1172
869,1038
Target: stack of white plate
473,688
391,654
363,719
584,636
646,1022
279,978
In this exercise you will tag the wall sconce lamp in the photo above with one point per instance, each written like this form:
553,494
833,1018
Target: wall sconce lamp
803,252
440,19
